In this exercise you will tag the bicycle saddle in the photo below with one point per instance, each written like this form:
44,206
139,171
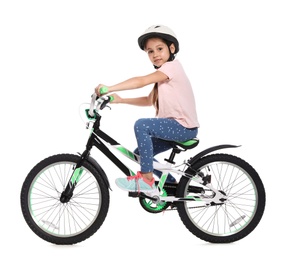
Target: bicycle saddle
189,144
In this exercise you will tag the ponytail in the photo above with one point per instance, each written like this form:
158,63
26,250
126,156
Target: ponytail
155,99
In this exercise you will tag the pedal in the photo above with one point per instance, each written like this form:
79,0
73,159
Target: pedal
133,194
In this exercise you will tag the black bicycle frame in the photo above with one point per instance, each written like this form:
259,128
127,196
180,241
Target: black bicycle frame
94,140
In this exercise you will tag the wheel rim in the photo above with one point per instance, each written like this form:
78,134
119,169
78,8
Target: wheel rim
63,219
234,214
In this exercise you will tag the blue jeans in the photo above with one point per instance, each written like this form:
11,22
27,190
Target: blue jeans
152,134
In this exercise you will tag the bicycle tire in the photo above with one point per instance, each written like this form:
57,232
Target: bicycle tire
57,222
239,215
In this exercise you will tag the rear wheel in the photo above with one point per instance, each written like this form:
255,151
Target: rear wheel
232,219
70,222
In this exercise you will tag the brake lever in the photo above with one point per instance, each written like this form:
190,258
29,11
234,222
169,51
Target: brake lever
104,104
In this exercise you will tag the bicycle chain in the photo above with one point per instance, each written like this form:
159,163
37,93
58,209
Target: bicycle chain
197,207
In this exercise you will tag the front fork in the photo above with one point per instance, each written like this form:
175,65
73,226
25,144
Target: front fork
68,192
77,172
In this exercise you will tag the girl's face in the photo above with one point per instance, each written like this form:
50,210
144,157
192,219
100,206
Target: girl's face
158,51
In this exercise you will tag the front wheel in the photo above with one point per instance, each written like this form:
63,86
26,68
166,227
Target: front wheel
53,220
234,218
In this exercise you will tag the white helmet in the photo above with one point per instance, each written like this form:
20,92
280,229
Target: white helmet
159,31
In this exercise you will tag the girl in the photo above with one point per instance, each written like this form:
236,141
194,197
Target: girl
173,99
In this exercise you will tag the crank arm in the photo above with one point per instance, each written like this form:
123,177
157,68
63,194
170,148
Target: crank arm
141,195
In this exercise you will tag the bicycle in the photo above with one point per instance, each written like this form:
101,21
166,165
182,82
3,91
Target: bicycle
220,198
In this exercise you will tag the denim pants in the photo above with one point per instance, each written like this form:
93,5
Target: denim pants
152,134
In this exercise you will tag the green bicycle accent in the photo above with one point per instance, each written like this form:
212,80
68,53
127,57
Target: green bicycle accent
88,116
189,142
162,180
76,175
193,198
126,152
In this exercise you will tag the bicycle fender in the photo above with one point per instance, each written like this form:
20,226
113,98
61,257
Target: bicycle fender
209,150
97,166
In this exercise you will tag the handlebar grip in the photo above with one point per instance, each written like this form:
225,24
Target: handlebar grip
103,90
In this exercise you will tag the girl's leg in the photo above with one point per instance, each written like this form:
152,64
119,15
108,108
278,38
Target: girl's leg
163,128
160,146
147,130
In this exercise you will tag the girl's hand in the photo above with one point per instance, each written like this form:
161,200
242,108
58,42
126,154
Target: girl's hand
101,90
116,98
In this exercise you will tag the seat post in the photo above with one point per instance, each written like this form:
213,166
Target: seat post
174,151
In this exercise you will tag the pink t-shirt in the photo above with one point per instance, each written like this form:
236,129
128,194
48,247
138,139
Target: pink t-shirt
176,98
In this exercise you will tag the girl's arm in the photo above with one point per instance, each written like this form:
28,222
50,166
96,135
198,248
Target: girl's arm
139,101
134,83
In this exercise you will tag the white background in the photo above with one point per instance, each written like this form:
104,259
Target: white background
53,54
